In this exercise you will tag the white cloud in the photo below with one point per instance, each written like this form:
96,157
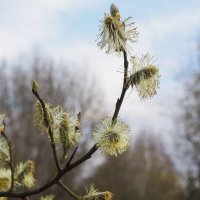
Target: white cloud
86,53
26,23
182,22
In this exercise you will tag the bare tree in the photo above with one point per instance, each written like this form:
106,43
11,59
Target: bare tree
188,128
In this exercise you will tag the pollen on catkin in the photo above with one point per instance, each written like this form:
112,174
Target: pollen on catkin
2,116
94,194
39,116
65,132
114,33
4,151
24,174
112,139
5,179
144,76
3,198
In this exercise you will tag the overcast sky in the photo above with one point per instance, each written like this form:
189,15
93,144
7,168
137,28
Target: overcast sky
67,30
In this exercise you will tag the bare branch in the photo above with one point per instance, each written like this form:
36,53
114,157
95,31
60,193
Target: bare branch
70,192
124,89
72,156
49,129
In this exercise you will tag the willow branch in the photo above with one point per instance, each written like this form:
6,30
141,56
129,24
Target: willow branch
53,181
69,191
49,130
115,115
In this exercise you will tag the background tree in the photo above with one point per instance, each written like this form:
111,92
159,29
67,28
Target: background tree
188,128
145,172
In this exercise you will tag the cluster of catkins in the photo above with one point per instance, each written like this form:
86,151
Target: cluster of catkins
23,172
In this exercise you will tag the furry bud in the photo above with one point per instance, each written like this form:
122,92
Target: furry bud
114,10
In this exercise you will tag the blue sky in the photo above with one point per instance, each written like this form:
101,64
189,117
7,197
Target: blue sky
67,30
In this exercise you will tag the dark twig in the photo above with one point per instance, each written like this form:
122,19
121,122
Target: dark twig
72,156
54,180
124,89
49,129
85,157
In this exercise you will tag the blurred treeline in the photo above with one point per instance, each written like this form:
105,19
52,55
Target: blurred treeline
145,172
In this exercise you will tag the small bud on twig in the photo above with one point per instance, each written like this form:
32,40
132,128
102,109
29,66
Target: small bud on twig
35,86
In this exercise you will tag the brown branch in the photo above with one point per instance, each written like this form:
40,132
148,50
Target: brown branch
53,181
49,129
85,157
69,191
72,156
124,89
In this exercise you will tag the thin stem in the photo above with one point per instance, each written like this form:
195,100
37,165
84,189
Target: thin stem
54,180
49,130
72,156
124,89
85,157
70,192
